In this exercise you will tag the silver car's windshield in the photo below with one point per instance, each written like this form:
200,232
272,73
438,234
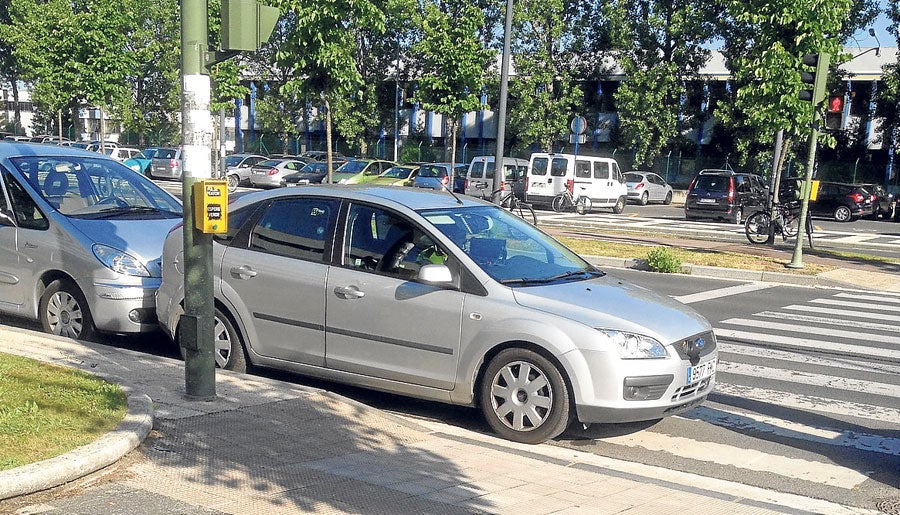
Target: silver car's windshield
508,248
87,187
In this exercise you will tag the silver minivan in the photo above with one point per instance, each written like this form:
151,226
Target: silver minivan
480,176
325,280
80,240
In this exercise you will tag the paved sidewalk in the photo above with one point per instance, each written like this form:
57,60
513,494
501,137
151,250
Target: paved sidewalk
266,446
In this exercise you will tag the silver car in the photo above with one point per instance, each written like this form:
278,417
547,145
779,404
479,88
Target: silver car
80,240
445,298
270,173
237,168
647,187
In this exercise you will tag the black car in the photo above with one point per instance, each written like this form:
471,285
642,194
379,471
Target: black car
843,202
312,173
883,203
725,195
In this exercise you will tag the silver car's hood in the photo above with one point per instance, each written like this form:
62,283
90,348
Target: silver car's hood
142,238
609,303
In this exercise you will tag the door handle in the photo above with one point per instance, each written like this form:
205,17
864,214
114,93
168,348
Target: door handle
243,272
349,292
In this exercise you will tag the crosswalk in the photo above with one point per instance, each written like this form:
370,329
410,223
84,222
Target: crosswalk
820,378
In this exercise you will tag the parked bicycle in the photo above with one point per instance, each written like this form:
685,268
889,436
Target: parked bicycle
566,202
786,222
509,201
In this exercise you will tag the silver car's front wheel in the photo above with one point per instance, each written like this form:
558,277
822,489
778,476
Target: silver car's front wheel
64,311
524,397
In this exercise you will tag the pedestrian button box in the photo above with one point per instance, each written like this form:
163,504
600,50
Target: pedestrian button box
211,206
814,191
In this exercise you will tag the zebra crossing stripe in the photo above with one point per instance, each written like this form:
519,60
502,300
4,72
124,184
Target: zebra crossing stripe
723,417
860,305
844,312
807,378
722,292
887,297
807,343
822,331
825,361
891,328
808,402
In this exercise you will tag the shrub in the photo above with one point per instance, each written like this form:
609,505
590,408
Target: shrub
662,259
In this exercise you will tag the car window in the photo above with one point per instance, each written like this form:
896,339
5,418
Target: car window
380,241
716,183
25,210
539,166
559,167
166,153
633,177
601,170
296,228
582,169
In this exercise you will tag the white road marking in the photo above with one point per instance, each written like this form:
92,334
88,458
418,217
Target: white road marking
807,378
829,407
822,331
844,362
861,305
890,328
722,292
875,298
807,343
823,435
844,312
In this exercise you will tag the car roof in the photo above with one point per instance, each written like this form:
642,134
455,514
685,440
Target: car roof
412,198
20,149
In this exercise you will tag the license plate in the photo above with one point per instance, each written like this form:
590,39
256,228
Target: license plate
707,201
701,371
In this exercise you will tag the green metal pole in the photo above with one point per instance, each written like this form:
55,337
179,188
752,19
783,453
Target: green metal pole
196,327
797,258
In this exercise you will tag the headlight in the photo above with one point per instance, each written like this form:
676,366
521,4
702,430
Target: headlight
635,346
120,262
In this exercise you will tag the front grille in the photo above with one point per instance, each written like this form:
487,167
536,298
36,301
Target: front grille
682,346
692,390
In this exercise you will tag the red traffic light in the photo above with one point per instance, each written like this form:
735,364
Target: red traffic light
836,103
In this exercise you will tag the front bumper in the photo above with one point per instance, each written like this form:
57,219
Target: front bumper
124,308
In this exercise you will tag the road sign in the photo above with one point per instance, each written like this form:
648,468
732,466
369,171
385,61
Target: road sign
578,125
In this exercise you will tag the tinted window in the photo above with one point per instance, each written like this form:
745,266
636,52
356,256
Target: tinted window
295,228
633,177
601,170
717,183
583,169
25,211
559,167
539,166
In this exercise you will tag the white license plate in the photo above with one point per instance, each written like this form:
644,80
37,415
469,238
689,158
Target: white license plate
701,371
707,201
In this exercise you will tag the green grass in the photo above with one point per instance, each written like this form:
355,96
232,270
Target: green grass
47,410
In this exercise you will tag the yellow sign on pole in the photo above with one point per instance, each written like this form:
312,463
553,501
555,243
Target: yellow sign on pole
211,206
813,191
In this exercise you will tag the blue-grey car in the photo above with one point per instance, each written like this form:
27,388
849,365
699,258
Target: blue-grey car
81,237
442,297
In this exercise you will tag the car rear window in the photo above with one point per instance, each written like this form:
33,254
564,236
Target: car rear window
712,183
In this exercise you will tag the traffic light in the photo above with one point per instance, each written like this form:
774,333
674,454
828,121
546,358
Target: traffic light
834,113
814,73
246,24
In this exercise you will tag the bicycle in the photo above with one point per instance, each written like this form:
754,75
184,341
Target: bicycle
786,223
510,202
565,202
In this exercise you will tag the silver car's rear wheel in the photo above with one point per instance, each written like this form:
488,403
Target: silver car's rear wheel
227,347
524,397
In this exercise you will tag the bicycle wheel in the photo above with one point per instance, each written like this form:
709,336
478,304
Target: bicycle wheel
790,225
583,205
757,227
561,203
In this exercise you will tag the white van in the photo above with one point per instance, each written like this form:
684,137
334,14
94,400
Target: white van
597,177
480,177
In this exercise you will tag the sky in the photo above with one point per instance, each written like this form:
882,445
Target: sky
864,40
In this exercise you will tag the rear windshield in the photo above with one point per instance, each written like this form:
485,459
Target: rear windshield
712,183
539,166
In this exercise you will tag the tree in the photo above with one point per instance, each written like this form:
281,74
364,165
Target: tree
545,88
453,62
667,50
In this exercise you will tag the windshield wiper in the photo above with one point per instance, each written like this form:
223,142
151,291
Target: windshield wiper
571,274
121,210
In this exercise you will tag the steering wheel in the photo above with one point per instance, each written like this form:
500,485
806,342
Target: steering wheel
394,257
112,199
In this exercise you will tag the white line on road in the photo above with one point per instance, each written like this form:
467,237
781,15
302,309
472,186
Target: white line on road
860,305
822,331
891,328
876,298
807,378
722,292
843,362
807,343
843,312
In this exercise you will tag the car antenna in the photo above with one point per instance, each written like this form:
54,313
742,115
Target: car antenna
450,191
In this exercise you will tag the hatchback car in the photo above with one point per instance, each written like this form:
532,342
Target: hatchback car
311,173
237,168
647,187
269,173
435,176
507,318
842,202
361,170
80,240
140,163
400,175
882,201
166,164
724,195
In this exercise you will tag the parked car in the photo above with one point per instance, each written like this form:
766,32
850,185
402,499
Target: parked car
646,187
82,235
435,176
598,178
882,201
104,146
166,164
270,173
311,173
725,195
140,162
237,168
400,175
843,202
480,176
361,171
122,153
498,304
337,158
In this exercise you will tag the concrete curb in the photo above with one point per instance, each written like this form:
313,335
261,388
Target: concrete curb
104,451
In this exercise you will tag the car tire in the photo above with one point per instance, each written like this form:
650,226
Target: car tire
233,182
227,345
842,214
514,412
64,311
620,206
645,198
738,217
668,199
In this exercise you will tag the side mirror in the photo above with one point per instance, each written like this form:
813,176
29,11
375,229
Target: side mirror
435,274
